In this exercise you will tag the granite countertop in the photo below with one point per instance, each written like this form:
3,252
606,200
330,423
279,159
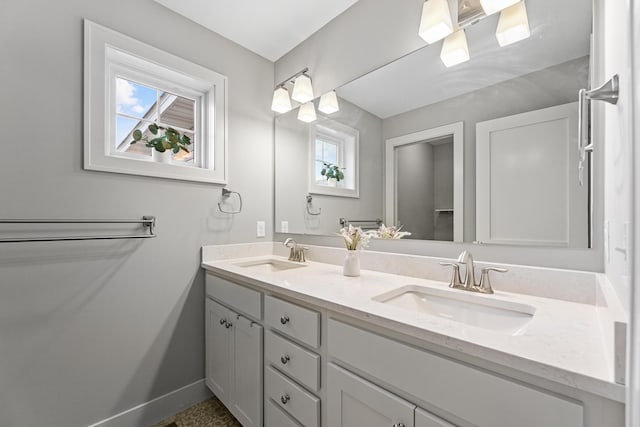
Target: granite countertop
563,342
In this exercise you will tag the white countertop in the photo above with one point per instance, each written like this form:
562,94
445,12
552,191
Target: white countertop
563,342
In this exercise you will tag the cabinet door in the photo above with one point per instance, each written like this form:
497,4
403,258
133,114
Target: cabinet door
355,402
247,372
219,350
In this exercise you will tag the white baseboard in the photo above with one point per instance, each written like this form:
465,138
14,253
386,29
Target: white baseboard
162,407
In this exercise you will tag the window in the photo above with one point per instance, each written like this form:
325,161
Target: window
333,145
130,85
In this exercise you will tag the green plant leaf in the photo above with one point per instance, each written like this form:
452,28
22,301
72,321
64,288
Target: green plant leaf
184,149
153,128
137,135
133,142
176,149
186,140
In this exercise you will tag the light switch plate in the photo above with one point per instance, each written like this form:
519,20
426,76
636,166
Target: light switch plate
284,226
260,229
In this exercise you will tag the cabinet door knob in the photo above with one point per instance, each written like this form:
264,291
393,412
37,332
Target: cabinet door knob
228,325
284,320
284,359
223,322
284,399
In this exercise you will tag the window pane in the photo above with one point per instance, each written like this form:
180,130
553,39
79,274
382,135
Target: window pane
331,153
177,111
135,99
184,158
319,149
124,128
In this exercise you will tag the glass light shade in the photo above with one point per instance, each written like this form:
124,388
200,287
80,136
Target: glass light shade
513,25
435,23
329,103
492,6
302,90
307,112
455,49
281,102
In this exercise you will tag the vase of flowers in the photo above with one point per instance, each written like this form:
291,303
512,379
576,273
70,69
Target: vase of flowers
164,141
355,240
391,232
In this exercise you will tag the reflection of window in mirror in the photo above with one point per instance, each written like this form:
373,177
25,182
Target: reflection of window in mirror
333,159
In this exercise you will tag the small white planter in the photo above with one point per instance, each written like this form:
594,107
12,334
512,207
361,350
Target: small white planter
162,157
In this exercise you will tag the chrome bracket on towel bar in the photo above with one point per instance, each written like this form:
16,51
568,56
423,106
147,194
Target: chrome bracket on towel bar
148,222
608,92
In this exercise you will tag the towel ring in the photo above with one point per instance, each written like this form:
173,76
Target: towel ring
309,200
225,194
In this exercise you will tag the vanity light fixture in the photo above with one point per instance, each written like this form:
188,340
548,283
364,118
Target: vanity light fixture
492,6
302,90
329,103
435,23
307,112
281,102
513,24
455,49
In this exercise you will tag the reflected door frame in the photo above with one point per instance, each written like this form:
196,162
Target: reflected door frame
455,130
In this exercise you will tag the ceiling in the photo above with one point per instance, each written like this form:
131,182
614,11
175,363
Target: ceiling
269,28
560,31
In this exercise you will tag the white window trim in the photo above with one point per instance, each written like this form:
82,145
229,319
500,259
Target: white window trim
315,188
98,137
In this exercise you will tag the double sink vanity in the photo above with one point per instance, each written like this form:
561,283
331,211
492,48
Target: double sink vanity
299,344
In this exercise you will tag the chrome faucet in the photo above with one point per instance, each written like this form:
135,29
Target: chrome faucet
469,283
297,252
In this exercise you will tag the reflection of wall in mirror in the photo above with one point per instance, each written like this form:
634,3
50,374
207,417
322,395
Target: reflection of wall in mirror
545,88
291,183
425,189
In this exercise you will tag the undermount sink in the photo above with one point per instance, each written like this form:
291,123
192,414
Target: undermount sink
270,265
464,307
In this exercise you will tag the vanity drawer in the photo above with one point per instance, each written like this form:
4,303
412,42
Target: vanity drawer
289,396
293,360
297,322
236,296
276,417
472,394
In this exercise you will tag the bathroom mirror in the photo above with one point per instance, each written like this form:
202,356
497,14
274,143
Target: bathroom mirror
417,94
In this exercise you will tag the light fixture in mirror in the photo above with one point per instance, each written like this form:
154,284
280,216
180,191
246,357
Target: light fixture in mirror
307,113
302,90
435,23
281,102
513,25
329,103
455,49
492,6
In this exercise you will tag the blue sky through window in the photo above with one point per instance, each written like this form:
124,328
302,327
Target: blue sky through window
134,100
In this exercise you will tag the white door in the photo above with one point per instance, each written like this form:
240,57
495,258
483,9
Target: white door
527,189
355,402
247,375
219,350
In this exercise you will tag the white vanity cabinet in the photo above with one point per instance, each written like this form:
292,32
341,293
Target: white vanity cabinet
234,346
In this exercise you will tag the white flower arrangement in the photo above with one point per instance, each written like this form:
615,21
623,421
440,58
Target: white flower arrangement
354,237
392,232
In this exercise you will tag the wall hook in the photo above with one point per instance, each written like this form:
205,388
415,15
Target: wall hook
225,194
309,200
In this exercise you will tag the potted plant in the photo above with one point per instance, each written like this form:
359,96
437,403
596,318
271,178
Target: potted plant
170,141
332,173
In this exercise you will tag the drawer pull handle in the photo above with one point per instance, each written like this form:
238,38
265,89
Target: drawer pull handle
223,322
398,425
284,359
228,325
284,320
284,399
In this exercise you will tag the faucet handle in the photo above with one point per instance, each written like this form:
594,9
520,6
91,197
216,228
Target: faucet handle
485,282
455,277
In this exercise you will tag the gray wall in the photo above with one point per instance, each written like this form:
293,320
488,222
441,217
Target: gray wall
415,187
90,329
515,96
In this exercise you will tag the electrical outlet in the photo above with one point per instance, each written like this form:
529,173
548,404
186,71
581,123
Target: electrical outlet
260,229
284,226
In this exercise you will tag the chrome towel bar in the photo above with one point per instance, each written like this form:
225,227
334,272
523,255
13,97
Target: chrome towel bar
148,222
